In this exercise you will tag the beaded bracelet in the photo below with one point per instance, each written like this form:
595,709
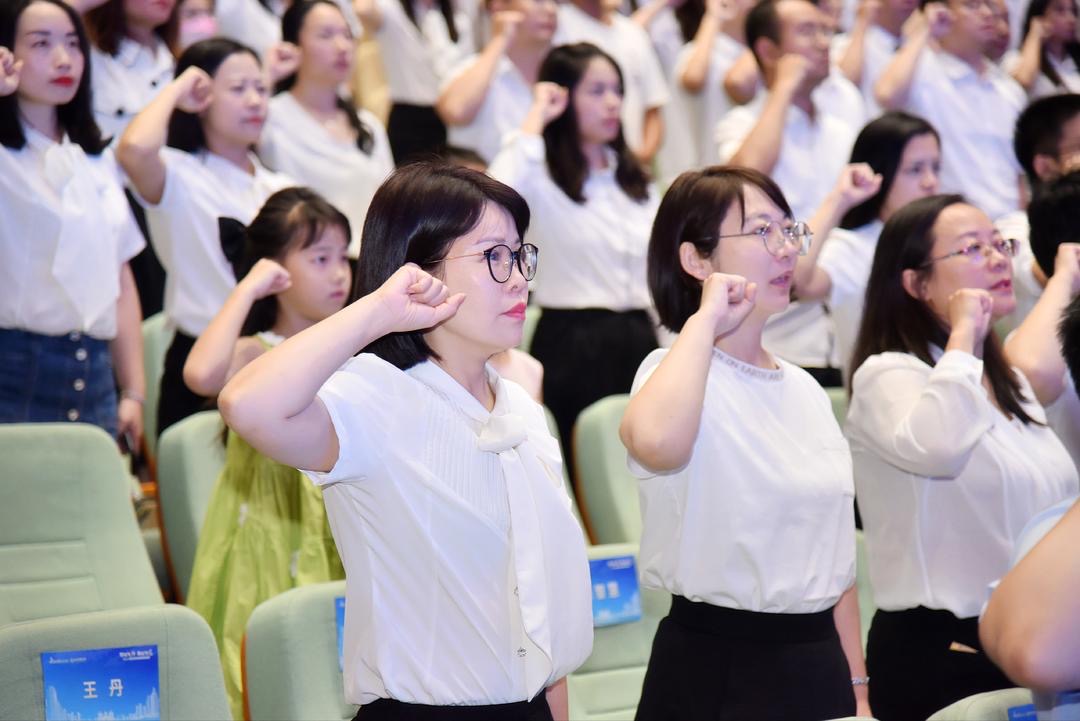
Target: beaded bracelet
860,680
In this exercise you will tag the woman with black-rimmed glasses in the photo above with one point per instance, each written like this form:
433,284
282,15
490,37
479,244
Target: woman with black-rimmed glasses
745,479
951,451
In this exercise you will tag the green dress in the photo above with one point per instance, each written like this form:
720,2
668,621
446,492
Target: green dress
265,532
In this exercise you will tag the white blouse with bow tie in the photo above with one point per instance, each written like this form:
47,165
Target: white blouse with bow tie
65,232
467,580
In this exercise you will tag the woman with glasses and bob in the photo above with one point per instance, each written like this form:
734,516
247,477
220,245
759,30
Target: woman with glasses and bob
744,476
592,206
951,451
467,587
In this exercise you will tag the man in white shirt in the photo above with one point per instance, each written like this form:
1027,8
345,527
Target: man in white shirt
645,92
875,36
942,74
489,94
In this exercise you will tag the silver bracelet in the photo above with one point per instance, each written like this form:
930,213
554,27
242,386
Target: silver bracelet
860,680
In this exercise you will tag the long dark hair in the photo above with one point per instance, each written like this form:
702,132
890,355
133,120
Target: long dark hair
415,216
76,118
688,15
446,8
107,26
1072,47
291,24
185,129
691,212
893,320
290,219
881,145
565,65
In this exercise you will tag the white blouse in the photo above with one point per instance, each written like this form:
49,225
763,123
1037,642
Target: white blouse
125,83
762,517
199,189
592,254
467,581
250,22
847,258
416,56
65,231
945,481
1066,69
712,102
296,144
503,110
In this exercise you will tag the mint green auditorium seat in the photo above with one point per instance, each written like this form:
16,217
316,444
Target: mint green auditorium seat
607,687
607,489
191,685
838,397
156,339
554,428
290,657
532,316
190,458
69,540
990,706
862,583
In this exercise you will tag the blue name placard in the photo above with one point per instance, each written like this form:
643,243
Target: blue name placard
339,617
616,597
1023,713
102,683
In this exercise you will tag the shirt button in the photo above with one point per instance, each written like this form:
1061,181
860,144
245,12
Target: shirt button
80,355
75,335
515,590
79,384
119,112
521,652
73,415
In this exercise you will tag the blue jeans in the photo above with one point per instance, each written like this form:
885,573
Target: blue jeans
47,379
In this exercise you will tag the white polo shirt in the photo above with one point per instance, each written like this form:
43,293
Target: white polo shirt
705,109
879,47
466,576
505,105
975,117
199,189
625,41
417,56
125,83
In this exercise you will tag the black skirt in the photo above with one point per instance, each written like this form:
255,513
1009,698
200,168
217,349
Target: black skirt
177,401
587,355
415,132
710,663
921,660
386,709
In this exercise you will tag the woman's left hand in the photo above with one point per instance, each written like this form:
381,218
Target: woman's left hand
129,416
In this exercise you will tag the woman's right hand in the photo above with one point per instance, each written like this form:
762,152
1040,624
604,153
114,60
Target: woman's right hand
194,90
413,299
970,311
726,300
9,72
550,100
267,277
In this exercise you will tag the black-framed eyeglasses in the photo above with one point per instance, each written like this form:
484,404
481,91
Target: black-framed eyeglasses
501,260
978,251
775,235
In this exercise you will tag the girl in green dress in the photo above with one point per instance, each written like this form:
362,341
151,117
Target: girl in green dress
265,529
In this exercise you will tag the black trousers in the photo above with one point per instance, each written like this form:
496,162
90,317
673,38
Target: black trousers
588,354
177,401
720,664
415,132
389,710
918,664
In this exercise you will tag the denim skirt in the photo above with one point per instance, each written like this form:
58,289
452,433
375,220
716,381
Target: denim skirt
45,378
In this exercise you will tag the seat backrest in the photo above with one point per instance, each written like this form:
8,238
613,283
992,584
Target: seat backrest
69,540
191,458
190,682
608,490
990,706
608,684
862,584
839,400
291,657
157,336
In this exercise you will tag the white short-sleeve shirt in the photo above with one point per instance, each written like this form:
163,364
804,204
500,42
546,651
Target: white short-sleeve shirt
592,254
125,83
505,105
466,576
945,481
707,107
250,22
879,47
847,258
293,142
761,518
65,231
417,56
975,116
199,189
645,86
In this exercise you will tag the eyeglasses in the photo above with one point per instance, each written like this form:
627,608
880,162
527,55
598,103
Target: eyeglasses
978,251
774,236
501,260
973,6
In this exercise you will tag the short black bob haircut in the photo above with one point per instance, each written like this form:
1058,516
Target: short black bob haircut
1053,216
185,129
414,217
691,212
1039,127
